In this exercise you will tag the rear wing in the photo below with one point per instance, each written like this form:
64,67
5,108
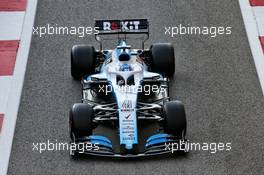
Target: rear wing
128,26
122,27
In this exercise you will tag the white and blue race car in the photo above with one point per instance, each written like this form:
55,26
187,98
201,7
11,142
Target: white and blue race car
124,88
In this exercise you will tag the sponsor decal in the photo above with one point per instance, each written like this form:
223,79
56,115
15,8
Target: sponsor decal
123,25
128,128
126,106
127,116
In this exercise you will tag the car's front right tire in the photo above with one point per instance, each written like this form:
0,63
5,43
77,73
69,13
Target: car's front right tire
83,60
81,116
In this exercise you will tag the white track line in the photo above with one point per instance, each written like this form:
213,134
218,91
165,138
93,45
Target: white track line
7,133
253,38
259,15
11,25
4,91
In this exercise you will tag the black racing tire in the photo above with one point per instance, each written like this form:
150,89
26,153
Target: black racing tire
83,60
162,58
175,119
81,116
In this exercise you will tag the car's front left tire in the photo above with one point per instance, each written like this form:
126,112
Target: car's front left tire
162,58
175,119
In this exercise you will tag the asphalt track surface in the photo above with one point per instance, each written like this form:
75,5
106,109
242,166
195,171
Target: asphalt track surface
215,78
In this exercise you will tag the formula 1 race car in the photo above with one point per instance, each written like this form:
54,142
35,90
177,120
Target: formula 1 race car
125,89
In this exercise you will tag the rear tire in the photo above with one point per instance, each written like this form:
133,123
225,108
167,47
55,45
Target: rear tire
83,60
162,58
81,116
175,119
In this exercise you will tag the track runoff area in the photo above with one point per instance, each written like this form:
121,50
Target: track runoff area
16,22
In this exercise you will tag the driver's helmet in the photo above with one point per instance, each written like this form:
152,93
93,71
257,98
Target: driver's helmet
123,51
124,55
125,67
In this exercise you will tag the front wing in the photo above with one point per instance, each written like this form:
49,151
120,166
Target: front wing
156,145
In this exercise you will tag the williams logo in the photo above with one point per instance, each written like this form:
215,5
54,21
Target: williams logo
126,105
